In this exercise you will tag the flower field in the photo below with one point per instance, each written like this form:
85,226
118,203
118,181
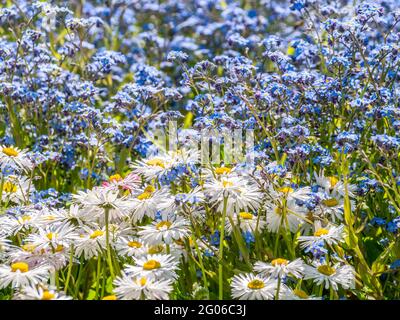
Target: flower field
201,149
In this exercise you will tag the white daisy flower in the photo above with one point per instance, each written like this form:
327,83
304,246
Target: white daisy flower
157,166
289,193
20,274
52,237
127,246
15,158
147,203
154,266
135,288
330,235
17,189
165,231
279,216
253,287
98,199
331,276
280,268
298,294
90,243
332,205
128,184
41,292
241,192
56,258
22,223
246,221
332,183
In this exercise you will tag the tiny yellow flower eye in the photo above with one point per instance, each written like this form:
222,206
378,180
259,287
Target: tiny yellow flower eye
163,224
134,244
96,233
286,190
143,281
333,181
51,235
155,249
28,247
115,177
256,284
20,266
144,196
291,51
110,297
279,261
48,295
300,293
9,187
326,270
222,170
245,215
149,189
156,163
59,248
11,152
26,218
320,232
151,265
227,183
330,202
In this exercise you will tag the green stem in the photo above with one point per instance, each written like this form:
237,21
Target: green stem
221,252
109,260
278,288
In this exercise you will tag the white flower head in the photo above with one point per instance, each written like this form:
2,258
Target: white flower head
253,287
128,287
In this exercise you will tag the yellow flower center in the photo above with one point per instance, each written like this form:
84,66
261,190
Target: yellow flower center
320,232
59,248
300,293
286,190
155,249
97,233
333,181
163,224
111,297
245,215
29,247
326,270
143,281
21,266
156,163
227,183
290,51
149,189
115,177
11,152
134,244
51,235
151,265
9,187
222,170
144,196
256,284
279,261
26,218
48,295
330,202
278,210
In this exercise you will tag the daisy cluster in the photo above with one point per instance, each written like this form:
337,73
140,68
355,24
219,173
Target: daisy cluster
93,207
